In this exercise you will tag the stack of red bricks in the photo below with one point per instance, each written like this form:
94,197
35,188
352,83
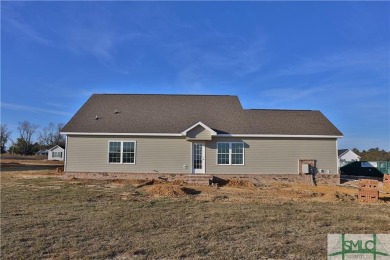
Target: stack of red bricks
368,191
386,181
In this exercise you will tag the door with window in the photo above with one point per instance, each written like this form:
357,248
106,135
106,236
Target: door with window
198,158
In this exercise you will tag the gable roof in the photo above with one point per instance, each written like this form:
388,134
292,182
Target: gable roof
174,114
342,151
55,147
212,132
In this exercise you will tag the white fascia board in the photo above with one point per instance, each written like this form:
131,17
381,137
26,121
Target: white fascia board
209,129
213,133
127,134
343,153
282,136
54,147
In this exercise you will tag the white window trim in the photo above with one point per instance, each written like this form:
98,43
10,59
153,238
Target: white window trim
230,153
121,151
57,154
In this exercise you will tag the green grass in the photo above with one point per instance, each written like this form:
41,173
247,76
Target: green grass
54,218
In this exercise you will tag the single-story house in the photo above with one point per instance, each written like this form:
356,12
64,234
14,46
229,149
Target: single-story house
42,152
346,156
196,134
56,153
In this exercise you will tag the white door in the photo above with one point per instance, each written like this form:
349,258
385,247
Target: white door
198,158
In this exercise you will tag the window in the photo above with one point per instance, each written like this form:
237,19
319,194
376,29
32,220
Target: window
237,153
223,153
197,155
121,152
230,153
57,154
115,152
128,152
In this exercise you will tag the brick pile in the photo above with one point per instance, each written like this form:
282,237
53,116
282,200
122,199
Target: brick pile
368,191
386,182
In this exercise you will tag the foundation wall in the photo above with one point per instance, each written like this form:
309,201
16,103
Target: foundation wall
322,179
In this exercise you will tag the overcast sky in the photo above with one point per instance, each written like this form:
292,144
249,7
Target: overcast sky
332,56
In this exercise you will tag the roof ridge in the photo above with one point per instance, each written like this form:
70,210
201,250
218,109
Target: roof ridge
138,94
272,109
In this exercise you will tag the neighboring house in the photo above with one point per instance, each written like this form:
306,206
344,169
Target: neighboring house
184,134
42,152
346,156
56,153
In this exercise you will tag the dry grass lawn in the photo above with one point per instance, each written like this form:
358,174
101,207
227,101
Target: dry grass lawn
44,216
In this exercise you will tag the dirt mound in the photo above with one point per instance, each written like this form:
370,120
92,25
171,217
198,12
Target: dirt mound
240,183
166,190
339,196
142,183
170,190
178,182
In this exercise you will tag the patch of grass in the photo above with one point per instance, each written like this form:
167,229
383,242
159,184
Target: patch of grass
55,218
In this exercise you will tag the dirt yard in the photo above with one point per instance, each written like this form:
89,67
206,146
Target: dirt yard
26,163
46,216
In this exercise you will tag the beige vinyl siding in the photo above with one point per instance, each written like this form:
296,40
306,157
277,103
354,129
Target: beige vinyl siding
162,154
199,133
170,154
274,155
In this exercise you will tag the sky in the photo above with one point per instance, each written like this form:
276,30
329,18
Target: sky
327,56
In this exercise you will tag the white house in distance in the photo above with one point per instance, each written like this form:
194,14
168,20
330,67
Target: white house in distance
56,153
346,156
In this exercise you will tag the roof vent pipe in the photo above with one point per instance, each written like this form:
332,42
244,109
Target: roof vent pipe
116,111
96,117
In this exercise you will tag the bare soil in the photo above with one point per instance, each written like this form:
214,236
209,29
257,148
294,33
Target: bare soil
44,215
28,164
245,190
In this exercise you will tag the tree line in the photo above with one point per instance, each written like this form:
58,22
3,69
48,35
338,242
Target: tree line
31,138
373,154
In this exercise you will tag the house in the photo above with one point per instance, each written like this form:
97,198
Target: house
196,134
42,152
346,156
56,153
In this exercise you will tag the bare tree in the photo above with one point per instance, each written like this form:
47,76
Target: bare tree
58,137
50,135
26,132
46,135
5,134
12,147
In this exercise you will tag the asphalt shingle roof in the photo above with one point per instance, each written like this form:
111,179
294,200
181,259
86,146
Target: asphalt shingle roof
176,113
